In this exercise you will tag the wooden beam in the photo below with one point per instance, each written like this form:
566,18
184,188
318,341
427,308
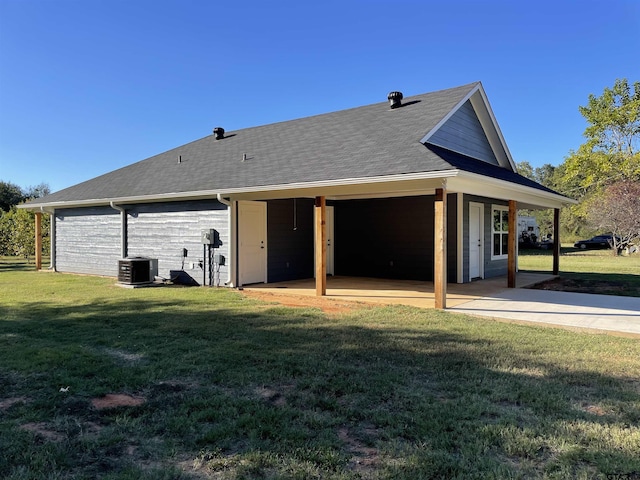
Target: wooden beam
513,244
440,248
38,234
321,246
556,241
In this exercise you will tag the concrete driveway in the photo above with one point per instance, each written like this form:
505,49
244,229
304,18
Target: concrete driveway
600,312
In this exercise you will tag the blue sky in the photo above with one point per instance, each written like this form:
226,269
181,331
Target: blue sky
88,86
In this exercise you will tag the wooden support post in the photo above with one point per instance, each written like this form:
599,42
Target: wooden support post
440,249
321,247
38,228
513,244
556,241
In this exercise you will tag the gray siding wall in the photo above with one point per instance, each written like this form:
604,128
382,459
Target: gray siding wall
88,240
162,230
492,268
464,134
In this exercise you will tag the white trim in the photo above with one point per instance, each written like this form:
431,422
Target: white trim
492,130
501,208
460,239
206,194
389,185
482,246
476,184
262,205
233,242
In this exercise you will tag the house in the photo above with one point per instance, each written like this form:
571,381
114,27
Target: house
420,188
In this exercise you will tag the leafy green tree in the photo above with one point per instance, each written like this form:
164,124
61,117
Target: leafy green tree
6,228
17,233
609,155
10,195
17,226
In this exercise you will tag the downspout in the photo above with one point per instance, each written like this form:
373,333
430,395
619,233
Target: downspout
232,251
123,229
52,237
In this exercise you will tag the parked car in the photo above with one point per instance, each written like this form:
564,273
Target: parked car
599,241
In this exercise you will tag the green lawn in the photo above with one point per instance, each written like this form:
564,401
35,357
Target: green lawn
595,271
237,389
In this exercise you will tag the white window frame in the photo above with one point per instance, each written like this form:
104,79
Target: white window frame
503,231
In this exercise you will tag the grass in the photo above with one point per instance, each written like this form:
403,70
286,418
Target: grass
590,271
237,389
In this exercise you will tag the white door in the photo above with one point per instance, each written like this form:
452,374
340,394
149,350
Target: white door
475,240
330,231
252,239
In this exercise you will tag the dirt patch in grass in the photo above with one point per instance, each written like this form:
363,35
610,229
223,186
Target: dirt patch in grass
114,400
7,403
602,287
275,396
42,429
364,459
327,305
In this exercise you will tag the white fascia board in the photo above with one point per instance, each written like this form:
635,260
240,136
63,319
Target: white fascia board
475,184
264,190
490,124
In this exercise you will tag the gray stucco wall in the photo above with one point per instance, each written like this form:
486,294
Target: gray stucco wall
463,133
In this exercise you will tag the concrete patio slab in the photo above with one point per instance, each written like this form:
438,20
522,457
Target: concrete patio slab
582,310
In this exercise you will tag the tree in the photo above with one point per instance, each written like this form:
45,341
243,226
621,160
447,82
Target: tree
544,175
614,119
17,226
17,233
37,191
610,153
616,210
10,195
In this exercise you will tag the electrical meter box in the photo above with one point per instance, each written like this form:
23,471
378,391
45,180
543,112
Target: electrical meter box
208,237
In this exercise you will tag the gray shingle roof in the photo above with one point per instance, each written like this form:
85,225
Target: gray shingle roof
367,141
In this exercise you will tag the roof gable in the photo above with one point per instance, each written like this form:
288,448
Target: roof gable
464,134
477,98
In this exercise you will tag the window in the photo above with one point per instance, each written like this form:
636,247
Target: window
500,231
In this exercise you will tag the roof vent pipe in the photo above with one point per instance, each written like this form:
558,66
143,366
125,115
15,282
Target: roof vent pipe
395,99
219,133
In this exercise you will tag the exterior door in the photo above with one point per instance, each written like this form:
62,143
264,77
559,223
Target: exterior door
330,230
476,211
252,241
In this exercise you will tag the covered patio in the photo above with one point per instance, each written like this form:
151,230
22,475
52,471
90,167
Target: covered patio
399,292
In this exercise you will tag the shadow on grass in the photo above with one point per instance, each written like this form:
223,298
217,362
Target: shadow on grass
252,391
627,285
16,264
